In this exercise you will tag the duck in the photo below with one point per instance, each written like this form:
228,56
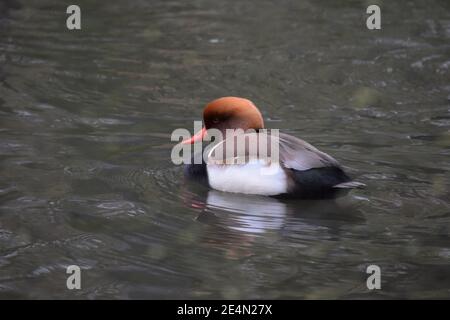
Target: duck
300,170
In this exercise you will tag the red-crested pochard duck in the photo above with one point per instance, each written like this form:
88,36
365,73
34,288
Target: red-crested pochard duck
302,171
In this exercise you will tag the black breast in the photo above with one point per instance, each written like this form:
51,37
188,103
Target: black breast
196,172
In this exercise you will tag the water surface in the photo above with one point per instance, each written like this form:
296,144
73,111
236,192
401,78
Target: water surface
85,170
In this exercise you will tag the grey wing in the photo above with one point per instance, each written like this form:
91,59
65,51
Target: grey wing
293,153
241,148
299,155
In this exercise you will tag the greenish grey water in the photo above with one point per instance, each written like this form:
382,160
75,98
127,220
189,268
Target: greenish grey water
85,171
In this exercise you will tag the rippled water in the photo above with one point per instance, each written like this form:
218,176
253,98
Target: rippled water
85,171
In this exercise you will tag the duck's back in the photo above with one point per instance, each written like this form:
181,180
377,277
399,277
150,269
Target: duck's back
313,174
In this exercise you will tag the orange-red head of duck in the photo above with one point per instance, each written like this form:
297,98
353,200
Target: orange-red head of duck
229,113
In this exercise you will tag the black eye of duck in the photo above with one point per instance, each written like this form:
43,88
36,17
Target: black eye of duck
215,120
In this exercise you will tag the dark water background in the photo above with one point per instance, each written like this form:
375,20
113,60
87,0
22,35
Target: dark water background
85,171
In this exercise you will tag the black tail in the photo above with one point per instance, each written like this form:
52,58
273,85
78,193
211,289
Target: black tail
321,183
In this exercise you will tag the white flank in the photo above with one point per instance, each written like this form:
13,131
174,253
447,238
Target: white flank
249,178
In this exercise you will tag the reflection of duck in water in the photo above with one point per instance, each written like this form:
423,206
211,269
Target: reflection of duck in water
239,223
300,170
253,214
250,214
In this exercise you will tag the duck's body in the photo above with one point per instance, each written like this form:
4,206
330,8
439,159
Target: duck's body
300,170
